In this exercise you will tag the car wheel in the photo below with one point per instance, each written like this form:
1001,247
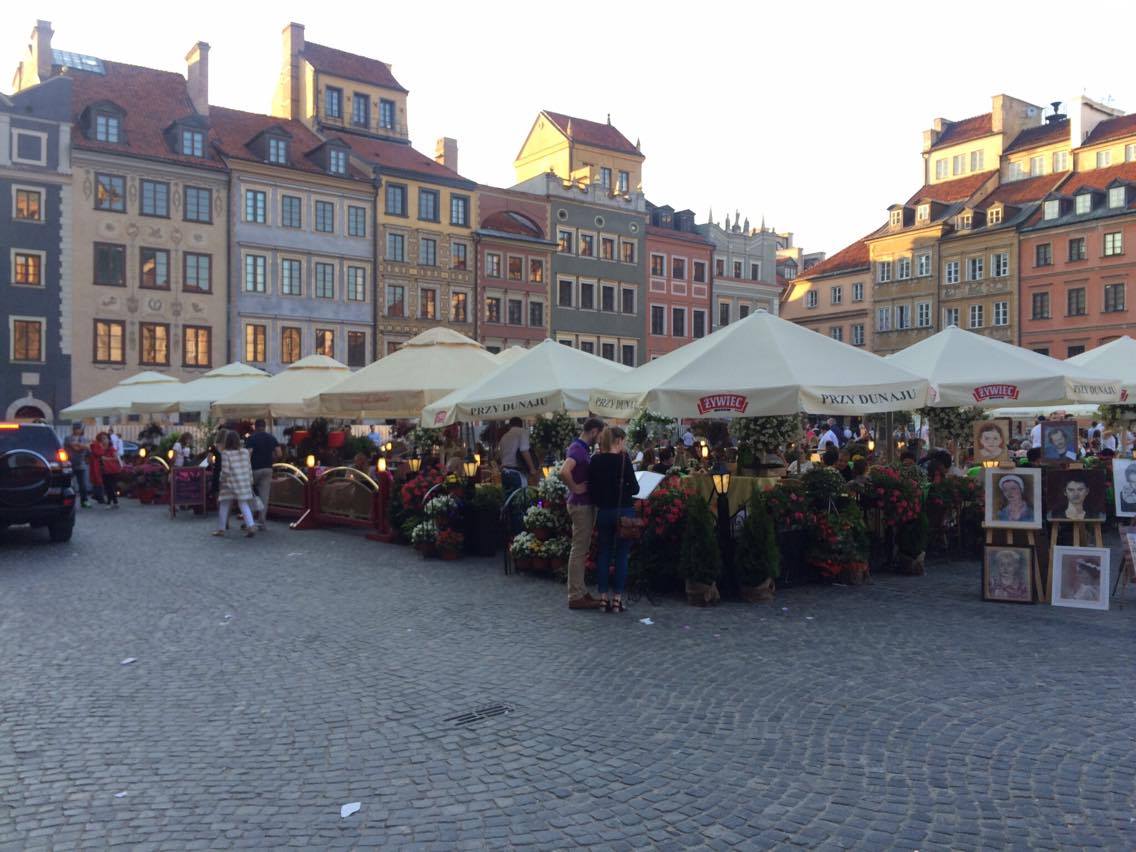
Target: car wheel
60,531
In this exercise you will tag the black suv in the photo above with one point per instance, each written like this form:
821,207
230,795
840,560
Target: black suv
35,480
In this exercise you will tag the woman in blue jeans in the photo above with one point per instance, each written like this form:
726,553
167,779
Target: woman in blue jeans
612,486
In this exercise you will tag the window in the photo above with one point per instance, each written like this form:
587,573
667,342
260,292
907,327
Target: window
1040,306
958,164
1073,351
627,303
110,193
923,315
858,334
587,245
255,343
155,198
700,271
607,248
290,281
110,342
396,199
903,268
1077,249
624,182
950,317
197,345
493,309
627,251
678,268
607,298
386,114
836,295
536,314
994,216
605,177
277,150
1042,350
858,291
896,218
1104,158
198,204
737,269
396,247
811,299
28,206
719,268
940,168
1113,244
458,307
976,318
658,265
723,313
1113,298
1060,161
154,269
883,271
290,216
325,217
396,300
110,264
1001,313
324,281
325,342
587,296
458,255
428,205
333,102
255,201
1129,153
836,332
492,265
459,210
1117,196
607,351
428,304
974,268
1000,264
1043,255
516,312
356,284
976,161
951,271
903,316
27,340
678,322
1075,302
356,348
923,212
1016,172
1083,203
107,128
965,221
428,251
564,241
27,268
755,272
255,266
192,143
516,269
743,311
536,271
290,345
1037,166
1051,209
360,110
923,264
564,293
883,319
197,272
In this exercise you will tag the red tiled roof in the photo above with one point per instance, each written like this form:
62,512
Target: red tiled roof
592,133
851,257
234,129
1046,134
398,156
957,132
151,101
1099,178
512,222
350,65
951,191
1113,128
1020,192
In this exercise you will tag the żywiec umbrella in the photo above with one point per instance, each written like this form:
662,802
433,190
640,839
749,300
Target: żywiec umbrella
965,368
143,389
760,366
217,384
1115,358
285,394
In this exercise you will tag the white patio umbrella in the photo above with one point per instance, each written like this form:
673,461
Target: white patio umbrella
965,368
284,394
1115,358
217,384
142,389
508,356
760,366
547,378
425,369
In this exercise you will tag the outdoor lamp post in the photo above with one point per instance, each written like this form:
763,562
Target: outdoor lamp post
720,479
381,464
477,458
170,454
415,462
469,467
142,452
388,446
310,462
991,463
871,445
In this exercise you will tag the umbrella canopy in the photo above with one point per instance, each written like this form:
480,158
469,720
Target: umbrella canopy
508,356
547,378
965,368
1115,358
425,369
284,394
144,389
217,384
760,366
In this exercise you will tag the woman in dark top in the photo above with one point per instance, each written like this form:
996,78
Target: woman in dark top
612,486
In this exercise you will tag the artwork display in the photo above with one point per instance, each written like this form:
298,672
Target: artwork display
1076,495
1124,485
1006,574
1080,577
1013,498
1059,441
991,441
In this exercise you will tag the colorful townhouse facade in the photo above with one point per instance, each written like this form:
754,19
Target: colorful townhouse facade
834,297
744,269
678,297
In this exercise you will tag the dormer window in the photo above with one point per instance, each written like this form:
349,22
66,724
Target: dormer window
192,143
1118,197
1052,209
337,161
896,219
964,221
108,128
277,150
994,216
1084,203
923,212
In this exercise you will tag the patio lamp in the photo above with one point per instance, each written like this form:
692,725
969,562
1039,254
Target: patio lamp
721,480
704,451
381,464
142,453
546,468
469,466
415,462
871,445
815,458
388,446
991,463
170,454
477,458
311,461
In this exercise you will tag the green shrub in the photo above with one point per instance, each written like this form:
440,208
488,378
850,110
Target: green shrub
488,497
911,539
757,557
699,560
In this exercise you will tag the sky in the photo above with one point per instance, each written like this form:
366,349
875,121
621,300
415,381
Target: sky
809,114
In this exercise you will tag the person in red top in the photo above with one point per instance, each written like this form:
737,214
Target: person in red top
106,467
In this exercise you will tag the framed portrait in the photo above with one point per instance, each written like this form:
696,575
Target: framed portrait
1059,441
991,441
1124,487
1080,577
1006,574
1076,495
1013,498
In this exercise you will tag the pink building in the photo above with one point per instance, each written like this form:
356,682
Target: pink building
678,281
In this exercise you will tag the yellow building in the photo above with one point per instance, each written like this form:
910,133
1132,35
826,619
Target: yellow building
582,151
957,149
834,297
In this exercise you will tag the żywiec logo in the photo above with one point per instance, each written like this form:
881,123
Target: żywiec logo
723,402
995,392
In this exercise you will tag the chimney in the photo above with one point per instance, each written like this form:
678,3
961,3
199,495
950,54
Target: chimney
197,77
446,153
293,48
40,49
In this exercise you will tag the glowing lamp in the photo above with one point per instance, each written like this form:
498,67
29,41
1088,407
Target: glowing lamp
704,451
142,453
310,461
415,462
815,458
170,454
381,465
721,481
469,467
477,458
549,463
388,446
991,463
871,446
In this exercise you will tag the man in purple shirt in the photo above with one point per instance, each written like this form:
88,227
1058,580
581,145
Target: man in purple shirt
574,472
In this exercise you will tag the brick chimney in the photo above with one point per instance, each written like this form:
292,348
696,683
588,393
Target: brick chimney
40,49
290,88
197,77
446,153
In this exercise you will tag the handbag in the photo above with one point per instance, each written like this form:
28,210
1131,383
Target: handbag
628,529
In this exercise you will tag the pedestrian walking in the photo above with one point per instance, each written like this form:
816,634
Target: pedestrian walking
106,460
574,473
264,450
612,486
79,451
236,483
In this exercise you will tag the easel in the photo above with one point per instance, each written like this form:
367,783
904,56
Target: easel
1127,572
1039,591
1080,539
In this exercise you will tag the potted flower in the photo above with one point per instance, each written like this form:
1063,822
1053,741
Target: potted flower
522,548
485,521
541,522
911,545
449,544
838,544
757,560
442,510
757,436
424,538
556,550
699,560
785,503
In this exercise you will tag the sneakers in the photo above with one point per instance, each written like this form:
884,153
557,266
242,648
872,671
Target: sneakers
585,602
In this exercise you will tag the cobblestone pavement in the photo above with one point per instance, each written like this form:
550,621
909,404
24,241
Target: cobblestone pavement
279,678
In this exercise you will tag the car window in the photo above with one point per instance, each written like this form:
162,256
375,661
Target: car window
40,439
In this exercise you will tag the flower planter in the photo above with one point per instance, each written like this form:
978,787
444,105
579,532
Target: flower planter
427,549
559,564
542,533
762,593
442,522
701,594
145,495
539,563
910,566
522,563
854,575
449,555
335,440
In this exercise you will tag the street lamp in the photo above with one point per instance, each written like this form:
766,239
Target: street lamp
871,445
381,464
142,453
477,458
170,454
415,462
549,463
991,463
721,480
311,461
388,446
469,466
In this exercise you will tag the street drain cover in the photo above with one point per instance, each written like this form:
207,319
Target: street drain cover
481,714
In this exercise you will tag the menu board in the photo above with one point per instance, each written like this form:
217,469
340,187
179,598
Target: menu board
187,488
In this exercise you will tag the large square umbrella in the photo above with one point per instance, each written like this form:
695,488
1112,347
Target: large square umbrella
285,394
1115,358
217,384
148,388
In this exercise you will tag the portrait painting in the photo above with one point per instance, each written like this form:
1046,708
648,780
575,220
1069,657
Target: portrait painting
1080,577
1124,487
1006,574
991,441
1075,495
1013,498
1059,441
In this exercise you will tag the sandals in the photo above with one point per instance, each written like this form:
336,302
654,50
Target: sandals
616,605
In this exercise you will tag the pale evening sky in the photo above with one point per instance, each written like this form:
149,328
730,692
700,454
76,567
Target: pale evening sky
808,113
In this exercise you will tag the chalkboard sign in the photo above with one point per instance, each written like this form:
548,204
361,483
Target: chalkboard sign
187,488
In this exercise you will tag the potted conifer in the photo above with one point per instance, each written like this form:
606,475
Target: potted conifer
699,560
757,559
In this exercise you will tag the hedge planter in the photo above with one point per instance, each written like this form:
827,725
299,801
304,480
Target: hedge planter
427,550
701,594
523,564
759,594
855,574
540,563
449,555
911,566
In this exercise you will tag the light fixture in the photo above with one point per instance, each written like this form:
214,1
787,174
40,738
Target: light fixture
704,451
415,462
991,463
815,458
549,463
142,453
388,446
899,445
469,467
477,458
310,461
871,445
170,454
381,464
721,481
